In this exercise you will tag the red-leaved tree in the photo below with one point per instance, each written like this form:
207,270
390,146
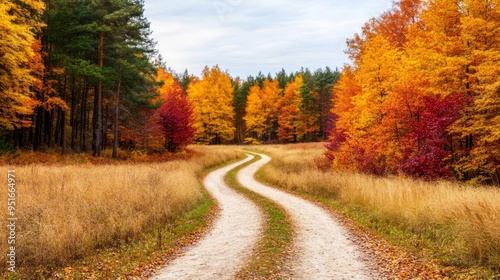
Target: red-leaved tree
177,120
434,146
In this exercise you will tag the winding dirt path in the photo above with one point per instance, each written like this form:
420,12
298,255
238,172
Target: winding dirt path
322,246
224,250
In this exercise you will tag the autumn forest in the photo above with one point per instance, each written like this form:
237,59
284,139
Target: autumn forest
421,96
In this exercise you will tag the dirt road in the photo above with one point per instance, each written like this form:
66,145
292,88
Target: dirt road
224,250
322,248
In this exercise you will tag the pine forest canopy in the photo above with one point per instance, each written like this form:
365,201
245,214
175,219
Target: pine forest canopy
421,96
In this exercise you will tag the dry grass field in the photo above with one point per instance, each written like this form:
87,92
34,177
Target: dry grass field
66,211
464,219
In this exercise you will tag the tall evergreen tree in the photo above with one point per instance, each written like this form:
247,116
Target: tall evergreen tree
96,49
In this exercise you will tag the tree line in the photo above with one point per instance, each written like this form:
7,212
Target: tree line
84,67
286,108
422,94
81,76
219,109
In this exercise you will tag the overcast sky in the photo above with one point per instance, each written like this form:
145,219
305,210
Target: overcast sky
245,37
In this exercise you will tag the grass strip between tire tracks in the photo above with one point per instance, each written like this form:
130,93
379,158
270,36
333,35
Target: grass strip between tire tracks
269,259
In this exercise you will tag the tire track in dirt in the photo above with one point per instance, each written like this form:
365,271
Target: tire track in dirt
228,245
322,247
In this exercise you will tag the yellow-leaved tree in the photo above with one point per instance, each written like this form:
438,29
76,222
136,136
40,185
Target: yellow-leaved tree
262,110
291,124
479,127
270,98
212,97
254,118
18,22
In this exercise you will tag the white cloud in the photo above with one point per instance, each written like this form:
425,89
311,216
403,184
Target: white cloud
246,37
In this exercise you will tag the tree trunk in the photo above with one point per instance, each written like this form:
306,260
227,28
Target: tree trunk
72,119
63,120
37,139
104,131
57,128
117,114
83,119
98,103
96,131
63,133
49,123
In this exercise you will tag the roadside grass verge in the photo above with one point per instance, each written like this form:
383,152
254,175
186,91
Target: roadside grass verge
140,258
455,224
269,259
107,221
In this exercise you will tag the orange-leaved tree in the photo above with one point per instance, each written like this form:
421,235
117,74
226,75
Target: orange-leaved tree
369,141
339,150
290,121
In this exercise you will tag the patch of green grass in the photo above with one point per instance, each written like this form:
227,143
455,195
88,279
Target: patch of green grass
270,256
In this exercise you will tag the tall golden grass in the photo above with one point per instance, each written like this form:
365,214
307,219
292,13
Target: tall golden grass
65,212
465,217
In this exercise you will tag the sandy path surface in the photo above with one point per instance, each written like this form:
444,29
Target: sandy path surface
322,247
226,248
